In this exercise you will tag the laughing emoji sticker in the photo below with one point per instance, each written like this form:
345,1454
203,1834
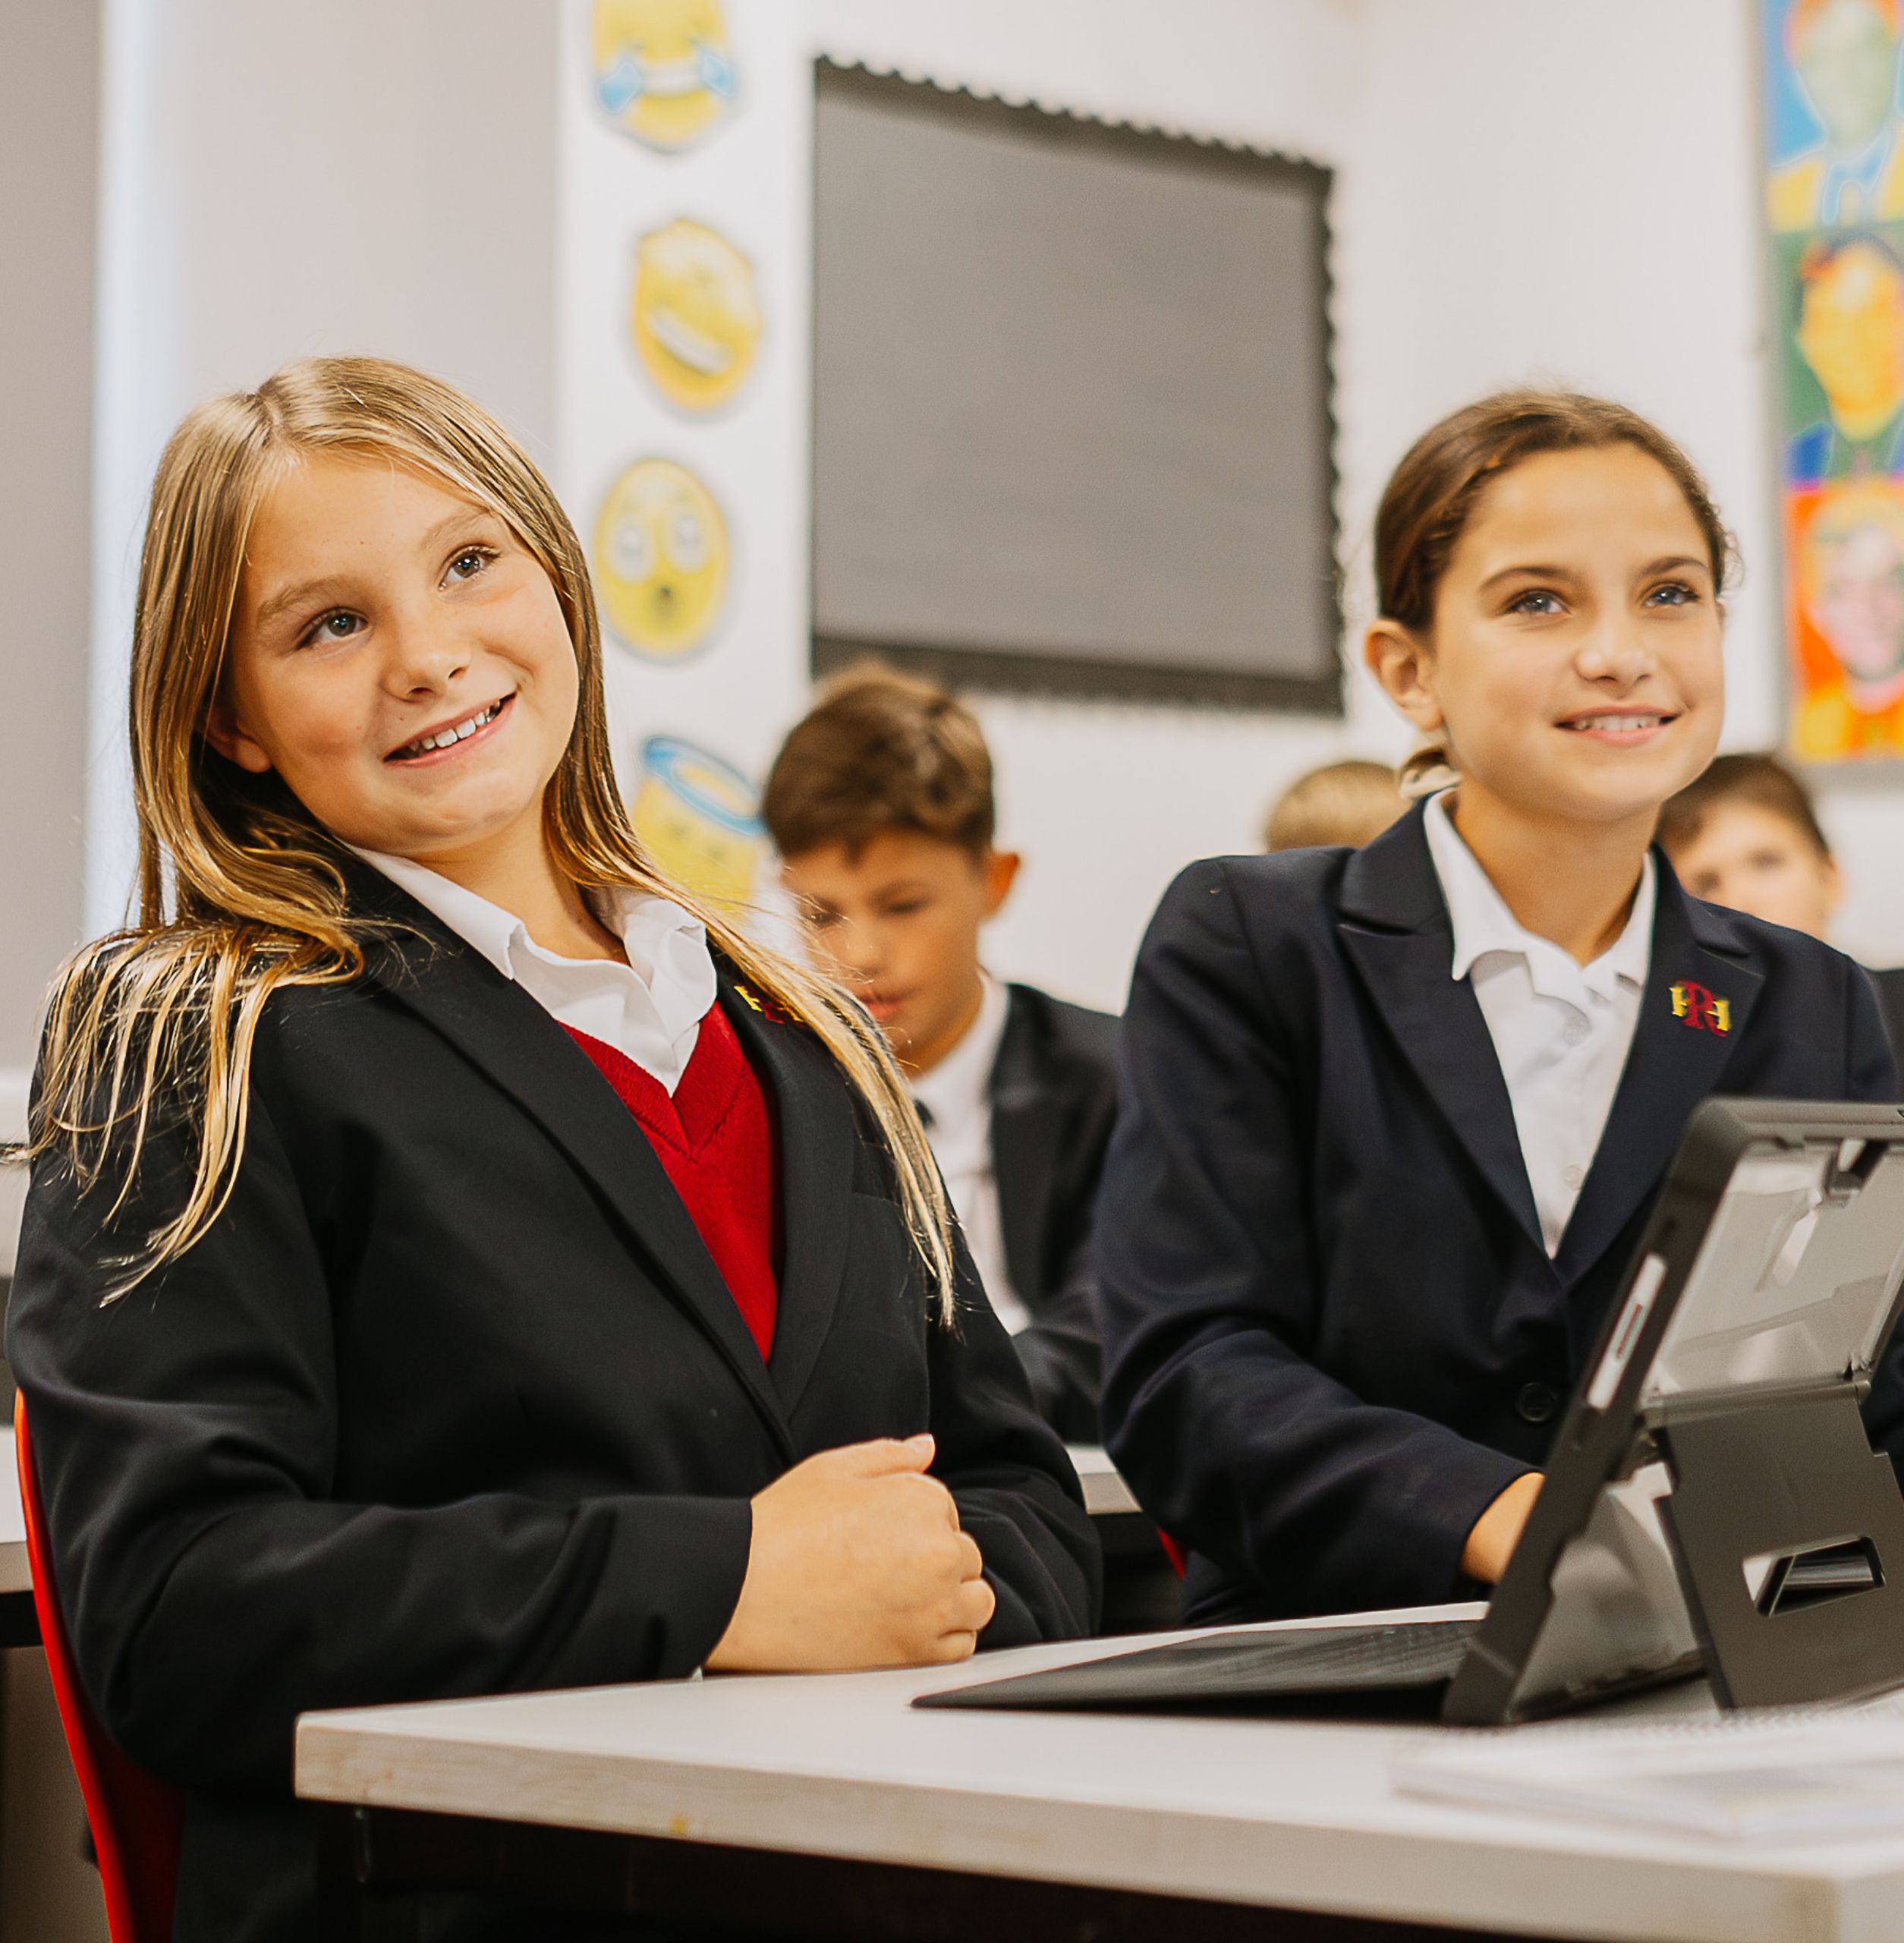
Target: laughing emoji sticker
697,316
663,68
660,559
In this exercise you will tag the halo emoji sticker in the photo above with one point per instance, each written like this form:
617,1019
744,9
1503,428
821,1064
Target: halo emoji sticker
695,316
660,559
698,819
663,68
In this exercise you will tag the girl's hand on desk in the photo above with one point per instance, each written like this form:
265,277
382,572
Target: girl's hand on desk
858,1560
1497,1531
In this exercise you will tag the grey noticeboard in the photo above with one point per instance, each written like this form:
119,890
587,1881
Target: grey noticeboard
1071,423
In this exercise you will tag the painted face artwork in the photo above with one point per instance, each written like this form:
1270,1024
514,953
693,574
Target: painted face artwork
696,315
664,69
660,559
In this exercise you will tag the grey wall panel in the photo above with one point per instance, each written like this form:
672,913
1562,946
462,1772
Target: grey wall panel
1070,391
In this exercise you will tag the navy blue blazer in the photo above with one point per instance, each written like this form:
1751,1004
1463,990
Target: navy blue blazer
1332,1333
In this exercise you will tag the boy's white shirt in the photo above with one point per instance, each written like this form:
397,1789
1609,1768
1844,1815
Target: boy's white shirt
649,1009
957,1095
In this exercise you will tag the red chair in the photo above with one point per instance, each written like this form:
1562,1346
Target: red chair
136,1818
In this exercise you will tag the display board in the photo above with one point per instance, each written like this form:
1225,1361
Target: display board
1071,417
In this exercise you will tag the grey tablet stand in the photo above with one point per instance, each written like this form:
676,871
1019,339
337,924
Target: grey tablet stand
1712,1504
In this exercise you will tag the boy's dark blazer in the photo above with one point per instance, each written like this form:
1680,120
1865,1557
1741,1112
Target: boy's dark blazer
1332,1334
451,1399
1054,1090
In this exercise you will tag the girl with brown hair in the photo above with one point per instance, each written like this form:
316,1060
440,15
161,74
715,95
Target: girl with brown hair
456,1261
1391,1119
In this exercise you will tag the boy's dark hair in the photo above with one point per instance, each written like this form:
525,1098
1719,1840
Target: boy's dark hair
880,750
1761,781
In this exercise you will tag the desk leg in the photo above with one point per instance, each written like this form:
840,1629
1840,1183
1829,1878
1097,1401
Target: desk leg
689,1891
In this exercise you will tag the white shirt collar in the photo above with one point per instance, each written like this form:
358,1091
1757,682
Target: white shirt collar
954,1092
667,950
1482,923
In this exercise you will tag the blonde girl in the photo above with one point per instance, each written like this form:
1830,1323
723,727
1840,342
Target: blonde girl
458,1261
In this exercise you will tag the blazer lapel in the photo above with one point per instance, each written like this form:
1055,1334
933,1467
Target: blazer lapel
1700,990
1394,926
510,1038
1026,1124
817,1134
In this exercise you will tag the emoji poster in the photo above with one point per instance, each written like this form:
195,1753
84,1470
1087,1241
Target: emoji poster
696,316
698,818
660,559
664,72
1835,203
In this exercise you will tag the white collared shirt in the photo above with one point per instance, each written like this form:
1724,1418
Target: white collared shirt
956,1095
649,1009
1561,1030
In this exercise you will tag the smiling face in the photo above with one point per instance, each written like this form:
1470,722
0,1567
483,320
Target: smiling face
400,660
1574,665
897,923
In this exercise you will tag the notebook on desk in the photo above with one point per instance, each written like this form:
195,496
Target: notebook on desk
1712,1505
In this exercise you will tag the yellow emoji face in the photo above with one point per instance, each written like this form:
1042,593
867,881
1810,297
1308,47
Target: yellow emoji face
696,318
662,68
660,559
698,819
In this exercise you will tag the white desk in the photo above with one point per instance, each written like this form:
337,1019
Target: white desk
1272,1816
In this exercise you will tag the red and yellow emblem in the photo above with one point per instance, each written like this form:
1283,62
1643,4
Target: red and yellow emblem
1698,1006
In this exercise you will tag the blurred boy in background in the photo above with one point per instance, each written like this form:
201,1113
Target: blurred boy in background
1342,802
881,803
1746,835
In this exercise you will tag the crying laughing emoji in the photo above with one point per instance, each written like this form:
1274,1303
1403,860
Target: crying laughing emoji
663,68
660,559
697,316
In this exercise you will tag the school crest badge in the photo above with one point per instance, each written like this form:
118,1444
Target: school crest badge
1700,1008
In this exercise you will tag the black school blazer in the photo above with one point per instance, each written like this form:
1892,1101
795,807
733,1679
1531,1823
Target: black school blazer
451,1399
1332,1334
1053,1091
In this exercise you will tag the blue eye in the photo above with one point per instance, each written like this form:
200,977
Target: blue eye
1675,594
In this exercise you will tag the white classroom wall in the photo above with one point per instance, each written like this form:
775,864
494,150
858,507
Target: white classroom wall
1520,192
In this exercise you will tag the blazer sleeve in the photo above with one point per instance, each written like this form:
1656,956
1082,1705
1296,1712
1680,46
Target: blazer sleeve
215,1582
1017,1492
1063,1358
1229,1435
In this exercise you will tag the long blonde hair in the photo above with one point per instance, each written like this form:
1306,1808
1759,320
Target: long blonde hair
240,893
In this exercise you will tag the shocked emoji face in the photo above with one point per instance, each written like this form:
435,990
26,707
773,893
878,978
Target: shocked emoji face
660,559
697,317
662,68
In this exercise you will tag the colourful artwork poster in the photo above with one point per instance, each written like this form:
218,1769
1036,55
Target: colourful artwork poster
698,818
1835,205
664,71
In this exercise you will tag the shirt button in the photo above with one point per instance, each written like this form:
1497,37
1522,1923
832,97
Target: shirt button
1576,1031
1574,1176
1536,1402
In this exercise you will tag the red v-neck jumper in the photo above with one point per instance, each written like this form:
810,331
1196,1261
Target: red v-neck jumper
714,1139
